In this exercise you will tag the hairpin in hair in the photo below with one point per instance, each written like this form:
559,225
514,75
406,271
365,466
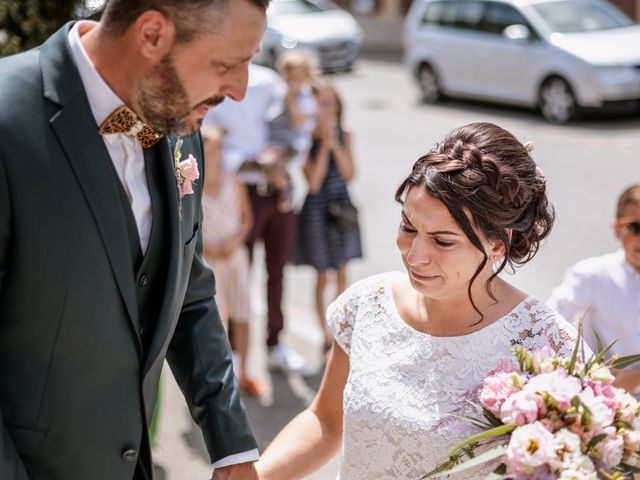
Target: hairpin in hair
528,146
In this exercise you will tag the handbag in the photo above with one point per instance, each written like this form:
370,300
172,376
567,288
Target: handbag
343,215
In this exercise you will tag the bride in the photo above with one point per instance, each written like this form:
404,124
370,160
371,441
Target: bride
410,348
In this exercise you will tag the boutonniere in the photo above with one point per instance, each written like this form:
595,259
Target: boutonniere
186,171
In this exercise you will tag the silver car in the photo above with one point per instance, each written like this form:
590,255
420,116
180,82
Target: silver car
555,55
320,27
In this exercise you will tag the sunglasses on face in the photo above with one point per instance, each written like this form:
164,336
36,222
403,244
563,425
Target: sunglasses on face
633,227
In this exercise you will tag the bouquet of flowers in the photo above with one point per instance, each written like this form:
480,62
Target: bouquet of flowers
553,418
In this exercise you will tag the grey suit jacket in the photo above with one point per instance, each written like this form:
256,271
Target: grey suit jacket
74,391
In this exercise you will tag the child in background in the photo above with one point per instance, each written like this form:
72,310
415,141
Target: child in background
605,290
298,70
227,222
326,239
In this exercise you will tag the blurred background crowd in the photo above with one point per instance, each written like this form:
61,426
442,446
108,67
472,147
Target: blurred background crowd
342,98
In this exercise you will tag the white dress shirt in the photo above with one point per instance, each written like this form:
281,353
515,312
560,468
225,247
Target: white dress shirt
125,150
247,122
128,159
605,291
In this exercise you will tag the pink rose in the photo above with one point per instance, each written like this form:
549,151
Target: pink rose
186,188
522,408
496,389
187,173
530,446
189,169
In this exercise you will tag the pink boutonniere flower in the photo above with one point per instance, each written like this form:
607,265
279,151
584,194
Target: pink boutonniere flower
186,170
187,174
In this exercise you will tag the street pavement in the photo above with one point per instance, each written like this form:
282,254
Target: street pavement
586,164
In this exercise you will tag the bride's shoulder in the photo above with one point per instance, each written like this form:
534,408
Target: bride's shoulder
367,290
545,325
373,284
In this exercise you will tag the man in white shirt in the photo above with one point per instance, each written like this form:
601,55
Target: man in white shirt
248,144
605,291
101,271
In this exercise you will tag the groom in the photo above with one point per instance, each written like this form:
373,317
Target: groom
101,272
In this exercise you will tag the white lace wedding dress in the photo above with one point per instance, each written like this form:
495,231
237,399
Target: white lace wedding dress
406,389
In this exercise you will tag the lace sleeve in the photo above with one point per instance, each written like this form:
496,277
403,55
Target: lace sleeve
341,316
550,329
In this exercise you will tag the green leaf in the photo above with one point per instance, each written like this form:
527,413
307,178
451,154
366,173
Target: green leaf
629,468
493,420
599,344
595,440
485,457
624,362
599,357
574,355
477,422
498,473
494,432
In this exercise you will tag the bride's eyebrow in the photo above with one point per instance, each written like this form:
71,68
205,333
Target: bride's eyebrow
405,219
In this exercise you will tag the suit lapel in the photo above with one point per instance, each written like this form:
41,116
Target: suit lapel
164,327
75,127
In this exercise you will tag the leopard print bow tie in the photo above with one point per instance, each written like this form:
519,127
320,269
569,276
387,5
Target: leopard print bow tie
123,120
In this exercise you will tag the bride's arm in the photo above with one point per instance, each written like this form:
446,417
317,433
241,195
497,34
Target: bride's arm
312,438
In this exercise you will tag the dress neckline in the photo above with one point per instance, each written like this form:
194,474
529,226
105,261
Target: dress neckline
395,314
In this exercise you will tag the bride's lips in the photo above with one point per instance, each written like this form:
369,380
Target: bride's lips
424,278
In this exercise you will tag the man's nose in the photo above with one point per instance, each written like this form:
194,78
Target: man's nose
236,85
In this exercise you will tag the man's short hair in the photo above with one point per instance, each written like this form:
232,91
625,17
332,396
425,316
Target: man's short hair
630,196
190,17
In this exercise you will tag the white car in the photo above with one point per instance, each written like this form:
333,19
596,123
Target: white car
554,55
320,27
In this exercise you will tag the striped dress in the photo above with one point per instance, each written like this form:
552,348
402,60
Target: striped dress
223,220
319,242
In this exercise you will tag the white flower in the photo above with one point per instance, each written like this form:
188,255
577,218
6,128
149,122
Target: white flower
557,384
601,415
530,446
632,440
600,373
609,451
579,468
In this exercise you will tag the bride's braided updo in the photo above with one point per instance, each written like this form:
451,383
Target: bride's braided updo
489,183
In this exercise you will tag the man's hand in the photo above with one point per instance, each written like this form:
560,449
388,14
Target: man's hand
242,471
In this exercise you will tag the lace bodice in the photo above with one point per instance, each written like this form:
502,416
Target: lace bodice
406,389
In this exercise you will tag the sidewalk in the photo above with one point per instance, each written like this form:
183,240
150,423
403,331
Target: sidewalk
183,453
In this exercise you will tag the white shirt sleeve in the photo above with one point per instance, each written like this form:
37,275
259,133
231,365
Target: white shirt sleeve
573,297
235,459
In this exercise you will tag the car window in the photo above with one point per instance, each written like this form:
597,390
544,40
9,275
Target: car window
469,15
440,13
499,16
293,7
573,16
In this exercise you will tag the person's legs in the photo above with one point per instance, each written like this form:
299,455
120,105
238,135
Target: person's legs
341,279
279,237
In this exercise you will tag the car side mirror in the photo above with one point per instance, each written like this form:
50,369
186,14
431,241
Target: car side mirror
518,32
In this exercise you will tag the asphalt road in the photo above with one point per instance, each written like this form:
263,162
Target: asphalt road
586,163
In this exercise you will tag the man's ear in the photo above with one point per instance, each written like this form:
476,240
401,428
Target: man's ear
154,34
617,230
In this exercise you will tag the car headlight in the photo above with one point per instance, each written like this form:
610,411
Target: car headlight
615,73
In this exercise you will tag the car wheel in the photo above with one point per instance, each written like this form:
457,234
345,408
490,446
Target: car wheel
428,84
557,101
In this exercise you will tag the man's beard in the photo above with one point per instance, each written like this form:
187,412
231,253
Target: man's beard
164,102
